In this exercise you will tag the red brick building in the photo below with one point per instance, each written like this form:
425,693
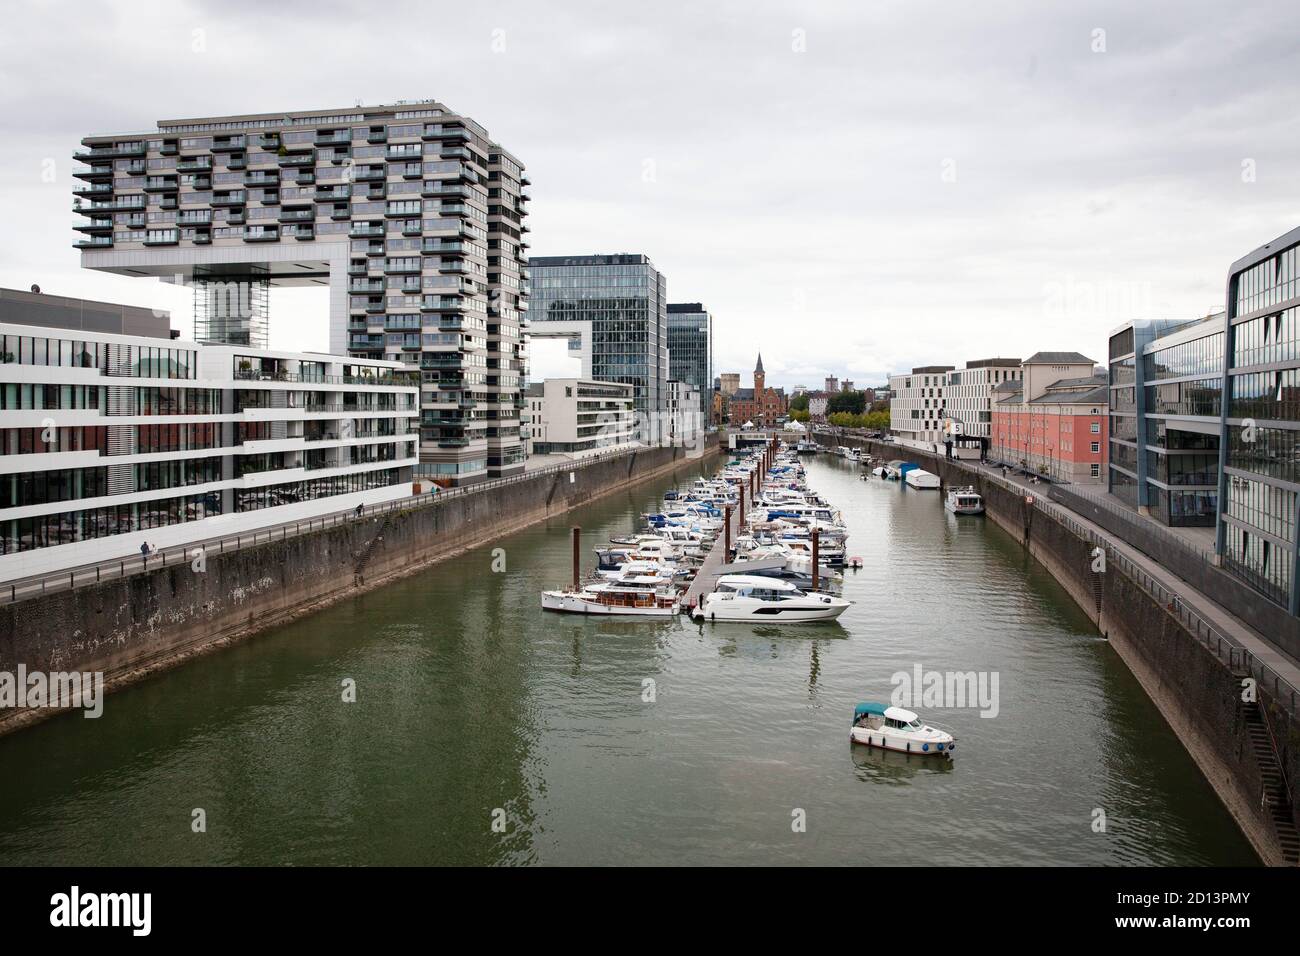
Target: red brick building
1053,420
760,404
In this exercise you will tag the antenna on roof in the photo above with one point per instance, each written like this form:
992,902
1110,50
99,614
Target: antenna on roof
36,288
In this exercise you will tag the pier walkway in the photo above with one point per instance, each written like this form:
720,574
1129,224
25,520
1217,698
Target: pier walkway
713,564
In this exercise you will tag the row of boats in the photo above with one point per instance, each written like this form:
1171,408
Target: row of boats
787,567
789,553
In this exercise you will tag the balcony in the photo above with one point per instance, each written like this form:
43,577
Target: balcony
397,210
366,173
261,177
377,136
439,187
95,225
269,141
94,242
197,217
94,190
297,214
361,230
333,194
297,159
95,172
454,133
266,235
158,184
236,197
335,138
113,151
162,237
199,164
121,204
301,233
229,144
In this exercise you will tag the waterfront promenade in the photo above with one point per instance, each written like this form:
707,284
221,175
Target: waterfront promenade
1182,593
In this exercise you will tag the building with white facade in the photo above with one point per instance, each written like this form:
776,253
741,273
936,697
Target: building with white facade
578,417
686,419
916,408
968,393
112,441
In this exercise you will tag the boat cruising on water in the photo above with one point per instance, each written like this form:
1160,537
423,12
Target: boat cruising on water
747,597
964,501
893,728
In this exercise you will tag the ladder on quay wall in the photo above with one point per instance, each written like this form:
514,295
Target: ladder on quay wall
364,558
1275,797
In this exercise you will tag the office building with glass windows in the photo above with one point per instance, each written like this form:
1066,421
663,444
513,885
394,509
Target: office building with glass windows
1259,458
690,349
623,299
1166,388
110,441
410,215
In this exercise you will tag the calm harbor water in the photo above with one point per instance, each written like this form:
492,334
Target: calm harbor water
471,701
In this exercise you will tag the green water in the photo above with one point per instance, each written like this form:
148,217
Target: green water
472,705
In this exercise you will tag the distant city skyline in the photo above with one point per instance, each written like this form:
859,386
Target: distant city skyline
1001,180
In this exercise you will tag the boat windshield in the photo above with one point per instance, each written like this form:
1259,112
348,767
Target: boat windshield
914,724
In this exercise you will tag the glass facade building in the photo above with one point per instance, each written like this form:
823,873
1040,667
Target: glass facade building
1166,384
1259,460
690,349
624,298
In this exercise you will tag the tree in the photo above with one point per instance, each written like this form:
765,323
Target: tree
799,414
799,403
854,403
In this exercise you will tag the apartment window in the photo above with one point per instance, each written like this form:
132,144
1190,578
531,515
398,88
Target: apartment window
1096,447
1094,470
1095,428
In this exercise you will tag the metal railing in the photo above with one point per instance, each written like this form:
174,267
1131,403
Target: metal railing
108,570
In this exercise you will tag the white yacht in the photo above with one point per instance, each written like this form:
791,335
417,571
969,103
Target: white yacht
893,728
747,597
640,589
964,501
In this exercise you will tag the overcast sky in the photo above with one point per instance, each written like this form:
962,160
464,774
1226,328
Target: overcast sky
853,187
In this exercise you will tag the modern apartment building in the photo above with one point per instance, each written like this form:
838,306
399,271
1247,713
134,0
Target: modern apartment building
1259,458
1052,420
832,384
690,349
411,216
916,408
623,300
968,393
578,417
110,441
1166,390
686,419
63,312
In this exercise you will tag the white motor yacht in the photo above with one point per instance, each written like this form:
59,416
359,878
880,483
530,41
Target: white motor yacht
746,597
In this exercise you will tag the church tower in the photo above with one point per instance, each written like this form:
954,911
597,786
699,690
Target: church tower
760,379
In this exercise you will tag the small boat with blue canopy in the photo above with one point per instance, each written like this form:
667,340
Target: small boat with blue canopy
893,728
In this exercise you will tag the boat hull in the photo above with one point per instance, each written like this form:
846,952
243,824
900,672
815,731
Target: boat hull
884,740
713,609
569,602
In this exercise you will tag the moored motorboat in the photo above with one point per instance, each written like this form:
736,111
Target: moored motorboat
893,728
964,501
745,597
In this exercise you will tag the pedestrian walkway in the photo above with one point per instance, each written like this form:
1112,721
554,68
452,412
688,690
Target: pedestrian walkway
1231,626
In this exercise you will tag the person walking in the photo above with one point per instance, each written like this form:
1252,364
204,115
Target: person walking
144,549
360,507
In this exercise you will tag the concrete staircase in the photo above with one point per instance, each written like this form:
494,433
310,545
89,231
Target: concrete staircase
1275,798
364,557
